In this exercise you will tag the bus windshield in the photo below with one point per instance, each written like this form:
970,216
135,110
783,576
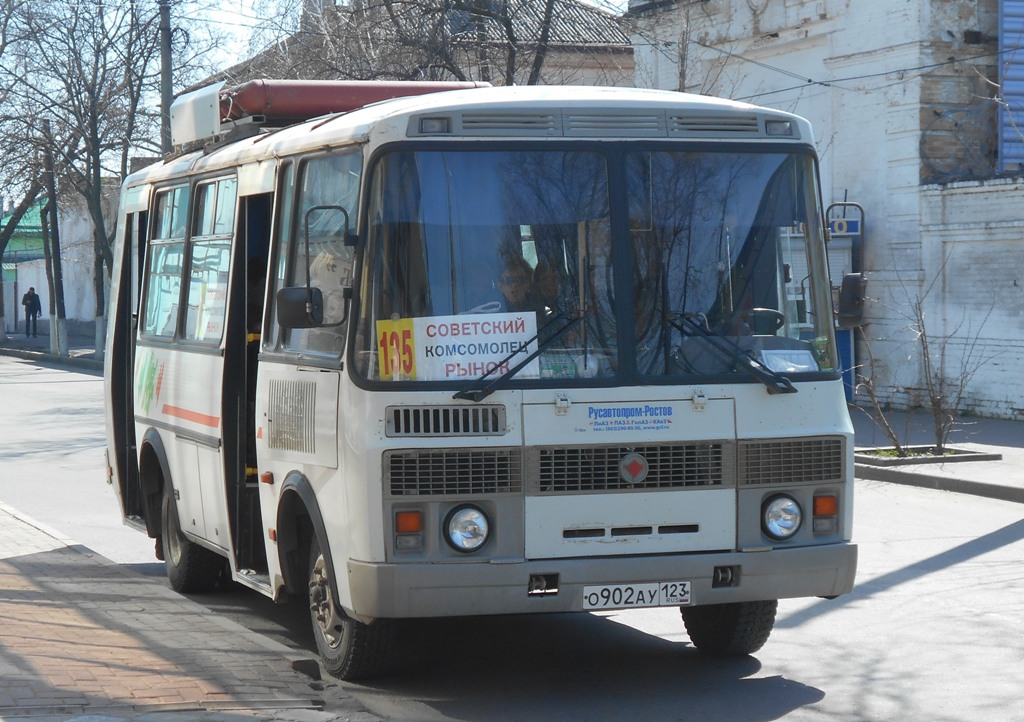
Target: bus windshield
526,263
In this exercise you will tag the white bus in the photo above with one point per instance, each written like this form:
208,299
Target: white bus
482,351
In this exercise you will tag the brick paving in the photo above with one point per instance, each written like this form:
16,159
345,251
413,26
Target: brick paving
82,638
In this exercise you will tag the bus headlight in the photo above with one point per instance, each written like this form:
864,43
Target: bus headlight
466,528
781,517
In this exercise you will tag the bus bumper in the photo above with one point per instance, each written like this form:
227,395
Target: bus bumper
511,587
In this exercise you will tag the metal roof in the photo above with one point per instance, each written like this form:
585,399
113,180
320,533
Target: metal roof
27,239
572,23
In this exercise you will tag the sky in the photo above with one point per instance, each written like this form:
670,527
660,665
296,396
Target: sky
235,19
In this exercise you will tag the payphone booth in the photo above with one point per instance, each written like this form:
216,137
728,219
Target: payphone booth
846,227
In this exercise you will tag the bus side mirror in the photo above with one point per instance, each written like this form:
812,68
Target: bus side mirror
850,310
300,307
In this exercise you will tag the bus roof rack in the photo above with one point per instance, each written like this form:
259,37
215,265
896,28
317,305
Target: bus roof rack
213,110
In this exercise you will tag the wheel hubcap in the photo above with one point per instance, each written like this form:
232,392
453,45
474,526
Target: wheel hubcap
321,604
173,541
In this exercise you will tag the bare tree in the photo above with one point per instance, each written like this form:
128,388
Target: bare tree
504,42
949,362
19,170
91,70
89,66
947,375
867,383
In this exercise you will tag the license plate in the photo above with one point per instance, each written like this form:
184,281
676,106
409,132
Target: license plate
630,596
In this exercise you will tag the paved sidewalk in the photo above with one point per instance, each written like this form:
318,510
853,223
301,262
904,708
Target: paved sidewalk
81,352
1002,479
82,638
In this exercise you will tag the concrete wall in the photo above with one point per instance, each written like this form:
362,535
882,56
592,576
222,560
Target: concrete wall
891,115
605,66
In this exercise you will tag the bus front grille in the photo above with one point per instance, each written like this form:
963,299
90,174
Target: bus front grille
453,471
617,468
791,461
483,420
561,470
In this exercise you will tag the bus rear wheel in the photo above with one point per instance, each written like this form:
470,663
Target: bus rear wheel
190,567
730,630
349,649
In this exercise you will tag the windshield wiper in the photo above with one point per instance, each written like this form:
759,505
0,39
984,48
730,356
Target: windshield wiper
690,324
476,392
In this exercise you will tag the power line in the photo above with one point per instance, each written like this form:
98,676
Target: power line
852,78
766,66
662,49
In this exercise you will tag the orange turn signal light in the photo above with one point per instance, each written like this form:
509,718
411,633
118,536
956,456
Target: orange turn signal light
408,522
826,506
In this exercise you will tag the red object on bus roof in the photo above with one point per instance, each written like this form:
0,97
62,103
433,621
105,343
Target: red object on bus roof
292,101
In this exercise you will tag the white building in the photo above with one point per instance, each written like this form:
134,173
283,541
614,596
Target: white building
77,261
905,101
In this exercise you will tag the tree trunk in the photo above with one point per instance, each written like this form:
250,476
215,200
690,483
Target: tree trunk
542,44
58,310
44,218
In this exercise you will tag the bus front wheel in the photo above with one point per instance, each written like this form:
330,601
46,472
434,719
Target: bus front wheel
349,649
730,630
190,567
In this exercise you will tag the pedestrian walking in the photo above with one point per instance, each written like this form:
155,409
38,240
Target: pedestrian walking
33,308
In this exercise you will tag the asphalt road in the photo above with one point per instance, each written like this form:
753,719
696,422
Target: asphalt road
932,630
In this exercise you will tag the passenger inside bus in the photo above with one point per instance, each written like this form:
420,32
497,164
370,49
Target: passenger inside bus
515,285
546,291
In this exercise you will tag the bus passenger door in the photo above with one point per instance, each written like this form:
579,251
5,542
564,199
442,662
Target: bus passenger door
241,350
120,355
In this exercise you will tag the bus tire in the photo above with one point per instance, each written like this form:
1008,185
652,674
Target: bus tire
730,630
349,649
190,567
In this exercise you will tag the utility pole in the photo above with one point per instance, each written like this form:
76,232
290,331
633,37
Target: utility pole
57,310
166,93
44,223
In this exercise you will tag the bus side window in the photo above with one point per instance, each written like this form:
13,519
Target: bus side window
165,261
328,192
135,237
208,260
283,237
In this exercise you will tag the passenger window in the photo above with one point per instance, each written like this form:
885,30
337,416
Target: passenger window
209,261
207,290
282,249
165,263
163,289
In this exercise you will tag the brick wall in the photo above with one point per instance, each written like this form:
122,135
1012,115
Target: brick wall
975,235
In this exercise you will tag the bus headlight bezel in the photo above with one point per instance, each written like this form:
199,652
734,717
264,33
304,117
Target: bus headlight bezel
781,517
467,528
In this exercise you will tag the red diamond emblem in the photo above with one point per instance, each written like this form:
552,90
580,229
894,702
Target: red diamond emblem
633,468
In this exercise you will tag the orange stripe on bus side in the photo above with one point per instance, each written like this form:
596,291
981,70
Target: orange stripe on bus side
193,416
